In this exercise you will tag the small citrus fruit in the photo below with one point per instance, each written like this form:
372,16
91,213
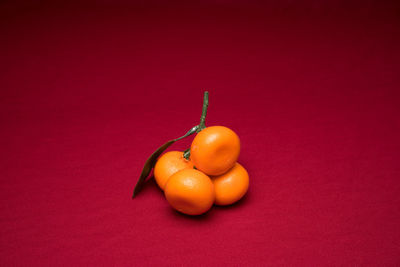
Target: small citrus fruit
215,150
190,191
167,165
231,186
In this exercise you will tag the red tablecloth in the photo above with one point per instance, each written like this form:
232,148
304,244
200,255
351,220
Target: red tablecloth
88,92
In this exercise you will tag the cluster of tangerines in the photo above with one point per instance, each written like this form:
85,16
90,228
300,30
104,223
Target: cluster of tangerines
208,173
211,175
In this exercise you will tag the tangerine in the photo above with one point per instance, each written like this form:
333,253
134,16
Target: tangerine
190,191
231,186
215,150
168,164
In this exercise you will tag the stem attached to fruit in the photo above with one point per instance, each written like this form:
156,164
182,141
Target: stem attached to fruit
186,154
202,125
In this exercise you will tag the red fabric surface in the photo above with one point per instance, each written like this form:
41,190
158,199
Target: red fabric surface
88,92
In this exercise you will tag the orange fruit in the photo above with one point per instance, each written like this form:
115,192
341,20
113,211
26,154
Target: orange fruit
215,150
190,191
231,186
167,165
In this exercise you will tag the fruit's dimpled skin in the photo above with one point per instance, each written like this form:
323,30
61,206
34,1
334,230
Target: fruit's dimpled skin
190,191
231,186
168,164
215,150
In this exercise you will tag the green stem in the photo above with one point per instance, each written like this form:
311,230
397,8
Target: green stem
190,132
202,124
186,154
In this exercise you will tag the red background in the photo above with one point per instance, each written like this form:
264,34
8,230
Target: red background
89,91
